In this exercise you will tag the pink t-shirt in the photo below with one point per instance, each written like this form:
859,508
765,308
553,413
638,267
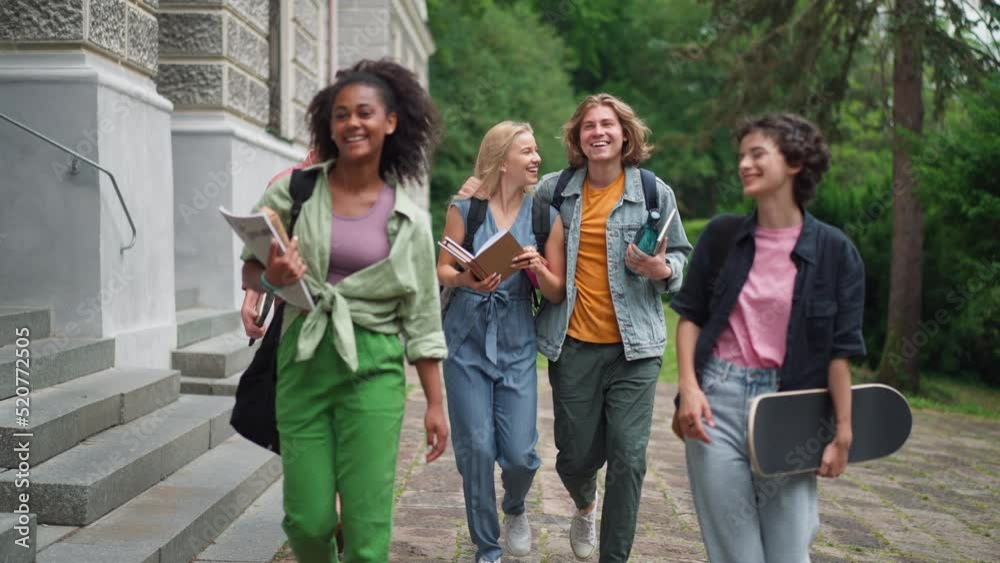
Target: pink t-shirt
358,242
758,325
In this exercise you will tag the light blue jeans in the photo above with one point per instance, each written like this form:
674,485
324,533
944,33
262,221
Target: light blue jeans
743,517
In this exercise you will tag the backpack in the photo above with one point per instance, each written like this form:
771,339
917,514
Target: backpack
541,227
253,414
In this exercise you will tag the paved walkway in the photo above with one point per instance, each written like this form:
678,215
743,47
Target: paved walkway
938,499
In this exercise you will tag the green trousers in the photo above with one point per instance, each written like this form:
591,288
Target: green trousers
340,434
603,410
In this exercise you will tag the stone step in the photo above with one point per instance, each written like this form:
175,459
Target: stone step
63,415
38,322
104,471
178,517
48,534
52,361
255,537
217,357
211,386
12,528
199,323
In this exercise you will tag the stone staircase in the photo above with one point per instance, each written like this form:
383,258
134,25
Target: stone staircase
125,466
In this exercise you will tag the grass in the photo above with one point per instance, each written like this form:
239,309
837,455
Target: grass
939,392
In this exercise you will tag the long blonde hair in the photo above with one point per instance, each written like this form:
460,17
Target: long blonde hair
636,148
493,153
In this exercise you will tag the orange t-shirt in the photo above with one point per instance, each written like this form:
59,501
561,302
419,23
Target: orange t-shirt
594,318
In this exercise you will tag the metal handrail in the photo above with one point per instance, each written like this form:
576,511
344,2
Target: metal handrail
79,156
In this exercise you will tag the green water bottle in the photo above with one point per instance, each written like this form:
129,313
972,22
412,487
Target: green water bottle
645,237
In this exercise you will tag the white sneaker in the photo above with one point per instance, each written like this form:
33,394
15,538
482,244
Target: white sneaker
498,560
583,533
517,534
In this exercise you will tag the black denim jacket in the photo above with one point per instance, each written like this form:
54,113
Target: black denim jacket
827,303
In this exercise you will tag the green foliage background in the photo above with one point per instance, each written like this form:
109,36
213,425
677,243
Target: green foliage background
684,66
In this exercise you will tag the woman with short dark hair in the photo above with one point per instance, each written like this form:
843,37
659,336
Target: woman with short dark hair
781,309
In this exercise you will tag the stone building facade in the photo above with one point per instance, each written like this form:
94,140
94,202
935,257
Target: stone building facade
191,105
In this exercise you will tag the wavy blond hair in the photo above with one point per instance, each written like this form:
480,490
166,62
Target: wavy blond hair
493,153
636,147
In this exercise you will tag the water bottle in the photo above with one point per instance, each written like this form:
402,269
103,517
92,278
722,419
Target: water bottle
645,237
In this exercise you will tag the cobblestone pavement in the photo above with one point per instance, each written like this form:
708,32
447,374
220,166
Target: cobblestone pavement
937,499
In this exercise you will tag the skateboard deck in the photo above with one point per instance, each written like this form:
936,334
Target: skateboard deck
788,431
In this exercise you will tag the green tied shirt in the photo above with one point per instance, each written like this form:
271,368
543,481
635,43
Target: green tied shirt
397,295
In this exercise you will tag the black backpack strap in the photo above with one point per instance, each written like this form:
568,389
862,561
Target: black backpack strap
301,187
561,183
540,223
649,189
475,219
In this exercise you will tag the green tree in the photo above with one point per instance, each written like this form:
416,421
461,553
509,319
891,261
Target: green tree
784,59
493,62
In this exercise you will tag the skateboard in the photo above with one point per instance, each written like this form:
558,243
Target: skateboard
788,431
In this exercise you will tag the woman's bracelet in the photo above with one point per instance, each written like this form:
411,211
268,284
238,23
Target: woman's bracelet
267,285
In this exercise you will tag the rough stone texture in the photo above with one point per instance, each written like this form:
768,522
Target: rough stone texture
247,47
308,16
191,34
305,87
301,129
305,50
191,84
255,11
41,20
143,34
108,25
237,84
258,101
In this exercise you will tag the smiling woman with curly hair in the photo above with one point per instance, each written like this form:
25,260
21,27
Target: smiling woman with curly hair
366,253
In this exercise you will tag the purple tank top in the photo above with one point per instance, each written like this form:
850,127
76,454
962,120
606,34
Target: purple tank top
358,242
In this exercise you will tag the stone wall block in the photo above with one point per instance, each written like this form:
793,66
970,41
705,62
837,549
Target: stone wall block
191,34
255,11
247,47
258,101
305,51
41,20
191,84
237,86
305,87
143,39
108,24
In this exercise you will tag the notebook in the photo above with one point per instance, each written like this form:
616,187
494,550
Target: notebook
495,256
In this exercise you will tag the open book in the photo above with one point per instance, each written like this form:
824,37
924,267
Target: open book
257,231
495,256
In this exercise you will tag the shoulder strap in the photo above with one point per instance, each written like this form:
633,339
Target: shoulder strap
727,225
301,187
475,219
649,189
557,195
540,223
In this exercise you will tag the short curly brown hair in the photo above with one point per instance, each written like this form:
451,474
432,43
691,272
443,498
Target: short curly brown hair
800,142
407,152
636,150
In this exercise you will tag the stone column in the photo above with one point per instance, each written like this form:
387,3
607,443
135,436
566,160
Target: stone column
215,67
80,72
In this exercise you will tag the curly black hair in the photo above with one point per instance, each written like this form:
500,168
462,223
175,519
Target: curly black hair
407,152
800,142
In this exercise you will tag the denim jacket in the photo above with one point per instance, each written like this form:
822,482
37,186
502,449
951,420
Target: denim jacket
636,299
827,302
